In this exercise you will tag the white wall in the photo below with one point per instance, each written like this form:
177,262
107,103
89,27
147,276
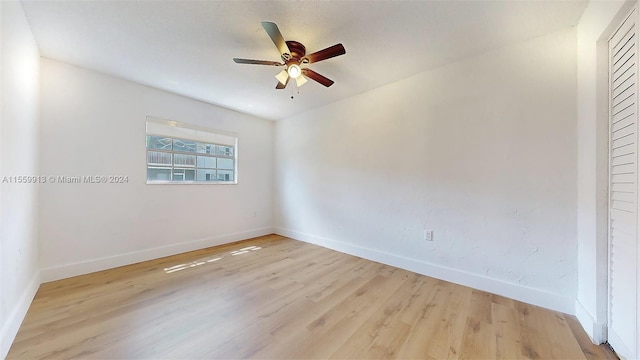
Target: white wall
596,24
482,151
18,156
93,124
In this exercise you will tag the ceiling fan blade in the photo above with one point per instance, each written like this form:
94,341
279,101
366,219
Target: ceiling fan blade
317,77
276,37
257,62
324,54
281,86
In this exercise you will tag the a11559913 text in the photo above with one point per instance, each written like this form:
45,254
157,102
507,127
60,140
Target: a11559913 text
62,179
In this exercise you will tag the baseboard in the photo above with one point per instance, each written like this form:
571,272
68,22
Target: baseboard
14,320
529,295
93,265
597,332
622,351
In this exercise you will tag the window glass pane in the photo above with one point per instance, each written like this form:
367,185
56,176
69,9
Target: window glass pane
195,155
224,163
158,142
206,162
184,145
184,174
206,175
158,173
206,148
158,158
225,175
225,150
184,160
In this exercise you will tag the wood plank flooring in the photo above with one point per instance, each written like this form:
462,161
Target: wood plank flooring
273,297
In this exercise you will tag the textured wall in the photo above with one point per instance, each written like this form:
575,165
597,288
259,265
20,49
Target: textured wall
93,124
482,151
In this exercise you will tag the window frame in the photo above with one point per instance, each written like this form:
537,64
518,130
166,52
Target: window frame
172,167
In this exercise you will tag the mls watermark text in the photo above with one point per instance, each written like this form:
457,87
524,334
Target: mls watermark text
63,179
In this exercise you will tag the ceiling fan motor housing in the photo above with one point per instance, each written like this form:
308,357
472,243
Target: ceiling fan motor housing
297,52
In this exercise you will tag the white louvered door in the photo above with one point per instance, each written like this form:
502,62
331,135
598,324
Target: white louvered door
623,187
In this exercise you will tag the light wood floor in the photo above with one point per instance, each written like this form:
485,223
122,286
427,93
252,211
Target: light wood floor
273,297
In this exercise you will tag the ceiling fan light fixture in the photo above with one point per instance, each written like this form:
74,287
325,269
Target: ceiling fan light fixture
294,70
300,81
293,55
283,76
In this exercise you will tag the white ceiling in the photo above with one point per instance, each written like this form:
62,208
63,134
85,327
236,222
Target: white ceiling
187,47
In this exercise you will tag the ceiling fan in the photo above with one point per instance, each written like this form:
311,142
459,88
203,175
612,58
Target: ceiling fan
293,55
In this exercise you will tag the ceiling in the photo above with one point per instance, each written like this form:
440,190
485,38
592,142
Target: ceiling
187,47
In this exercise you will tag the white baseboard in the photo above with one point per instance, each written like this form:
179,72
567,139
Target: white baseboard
529,295
14,320
618,345
597,332
93,265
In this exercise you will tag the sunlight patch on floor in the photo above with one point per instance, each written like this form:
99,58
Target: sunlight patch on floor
193,264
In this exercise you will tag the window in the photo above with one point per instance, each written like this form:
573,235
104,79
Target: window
178,153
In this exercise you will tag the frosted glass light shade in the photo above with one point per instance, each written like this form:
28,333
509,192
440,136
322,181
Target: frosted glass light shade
301,81
294,71
283,77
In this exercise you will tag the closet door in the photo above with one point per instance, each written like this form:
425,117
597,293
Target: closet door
623,187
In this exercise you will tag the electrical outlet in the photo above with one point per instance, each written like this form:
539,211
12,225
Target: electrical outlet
428,235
